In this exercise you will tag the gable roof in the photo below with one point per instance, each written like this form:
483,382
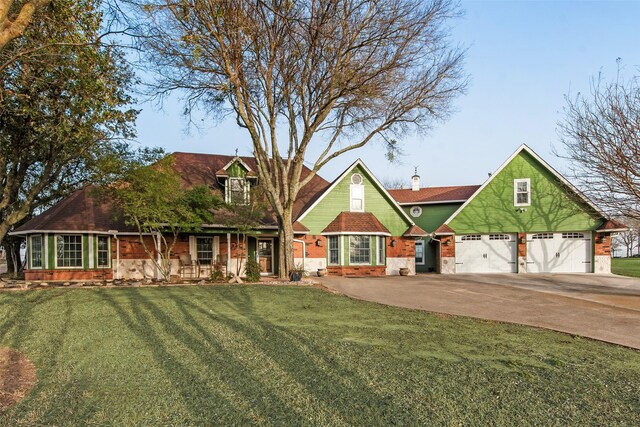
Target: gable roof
432,195
415,231
539,159
321,195
356,222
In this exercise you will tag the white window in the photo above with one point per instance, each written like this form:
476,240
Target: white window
356,179
420,252
334,250
381,249
573,235
359,250
499,237
69,251
104,254
35,251
416,211
522,192
471,237
237,191
541,236
204,250
357,198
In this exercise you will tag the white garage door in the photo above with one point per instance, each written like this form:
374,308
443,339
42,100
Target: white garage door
486,253
559,252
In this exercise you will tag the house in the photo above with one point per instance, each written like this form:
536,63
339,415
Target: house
525,218
351,226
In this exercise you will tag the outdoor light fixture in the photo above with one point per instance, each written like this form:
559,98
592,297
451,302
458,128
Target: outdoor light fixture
319,243
446,242
394,242
523,240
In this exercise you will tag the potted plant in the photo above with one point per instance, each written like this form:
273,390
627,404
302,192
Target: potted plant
297,273
322,272
404,271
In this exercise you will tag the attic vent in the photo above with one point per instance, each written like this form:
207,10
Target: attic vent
356,179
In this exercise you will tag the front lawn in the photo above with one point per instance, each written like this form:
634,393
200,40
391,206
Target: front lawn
626,266
299,356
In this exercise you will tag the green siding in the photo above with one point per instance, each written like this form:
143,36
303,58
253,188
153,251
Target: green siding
85,251
433,216
237,170
338,200
553,207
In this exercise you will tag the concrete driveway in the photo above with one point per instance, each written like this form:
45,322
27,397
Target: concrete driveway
603,307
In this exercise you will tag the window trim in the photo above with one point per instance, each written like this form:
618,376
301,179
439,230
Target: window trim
41,267
55,246
422,243
109,254
337,249
381,244
227,190
516,192
370,248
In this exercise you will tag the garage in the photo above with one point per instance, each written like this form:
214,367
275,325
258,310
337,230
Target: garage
486,253
559,252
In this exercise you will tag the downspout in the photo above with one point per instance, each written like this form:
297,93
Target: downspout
228,252
304,252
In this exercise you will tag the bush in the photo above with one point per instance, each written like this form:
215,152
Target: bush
252,270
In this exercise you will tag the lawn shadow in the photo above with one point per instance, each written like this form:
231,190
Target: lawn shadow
321,375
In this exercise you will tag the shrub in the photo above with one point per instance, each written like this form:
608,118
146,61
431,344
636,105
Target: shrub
252,270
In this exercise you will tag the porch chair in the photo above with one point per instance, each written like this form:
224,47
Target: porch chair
189,266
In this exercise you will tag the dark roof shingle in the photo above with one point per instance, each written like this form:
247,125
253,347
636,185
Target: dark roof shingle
434,194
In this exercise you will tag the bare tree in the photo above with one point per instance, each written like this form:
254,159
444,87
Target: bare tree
318,77
629,239
601,137
395,183
15,17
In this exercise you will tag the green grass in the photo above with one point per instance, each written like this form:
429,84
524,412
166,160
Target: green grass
299,356
626,266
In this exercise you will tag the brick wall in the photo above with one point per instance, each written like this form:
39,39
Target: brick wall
405,247
522,247
448,246
312,250
66,275
602,244
360,270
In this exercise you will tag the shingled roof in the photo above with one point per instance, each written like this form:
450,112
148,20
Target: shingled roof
356,222
434,194
83,212
612,226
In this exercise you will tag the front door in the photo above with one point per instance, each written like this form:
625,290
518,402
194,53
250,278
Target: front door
265,255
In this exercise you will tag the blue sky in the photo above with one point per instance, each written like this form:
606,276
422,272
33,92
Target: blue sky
523,57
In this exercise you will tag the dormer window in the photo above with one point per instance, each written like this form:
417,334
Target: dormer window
237,191
522,192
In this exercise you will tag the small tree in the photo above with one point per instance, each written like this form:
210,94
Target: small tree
601,137
307,77
152,200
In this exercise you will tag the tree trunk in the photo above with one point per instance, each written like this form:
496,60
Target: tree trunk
12,251
285,239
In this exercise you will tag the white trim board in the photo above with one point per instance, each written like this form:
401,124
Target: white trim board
335,182
526,148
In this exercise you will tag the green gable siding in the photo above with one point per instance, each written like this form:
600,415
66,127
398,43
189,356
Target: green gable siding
236,170
433,216
338,200
553,207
